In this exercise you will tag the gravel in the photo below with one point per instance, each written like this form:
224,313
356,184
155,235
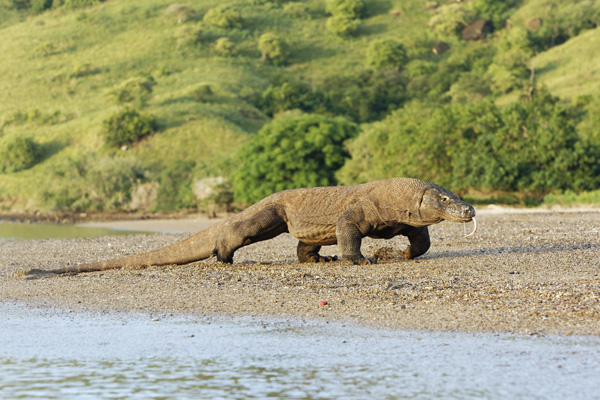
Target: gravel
526,272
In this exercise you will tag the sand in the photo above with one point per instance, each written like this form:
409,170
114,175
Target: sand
522,272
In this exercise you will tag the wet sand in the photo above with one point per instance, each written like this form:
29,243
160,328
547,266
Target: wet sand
522,272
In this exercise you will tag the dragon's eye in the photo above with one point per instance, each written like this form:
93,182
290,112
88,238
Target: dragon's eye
445,199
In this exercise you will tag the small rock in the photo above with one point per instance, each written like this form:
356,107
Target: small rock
323,303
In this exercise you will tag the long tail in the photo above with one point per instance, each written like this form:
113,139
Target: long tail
195,248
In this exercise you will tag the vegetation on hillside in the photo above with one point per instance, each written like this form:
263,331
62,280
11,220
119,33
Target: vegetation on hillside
133,105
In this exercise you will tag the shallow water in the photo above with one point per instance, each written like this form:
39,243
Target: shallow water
12,231
62,355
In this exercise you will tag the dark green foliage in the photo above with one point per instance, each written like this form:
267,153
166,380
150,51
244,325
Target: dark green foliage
496,11
386,54
19,4
531,147
39,6
364,97
126,127
175,187
289,95
295,150
17,153
223,17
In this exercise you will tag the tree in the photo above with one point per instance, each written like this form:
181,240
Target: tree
127,126
353,9
386,54
342,26
135,91
272,48
18,153
223,17
294,150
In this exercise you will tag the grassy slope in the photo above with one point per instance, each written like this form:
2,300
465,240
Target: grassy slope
68,61
573,68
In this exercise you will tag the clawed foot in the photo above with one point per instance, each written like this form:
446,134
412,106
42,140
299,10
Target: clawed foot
223,259
359,260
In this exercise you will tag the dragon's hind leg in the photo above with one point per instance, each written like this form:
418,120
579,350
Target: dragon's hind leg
263,225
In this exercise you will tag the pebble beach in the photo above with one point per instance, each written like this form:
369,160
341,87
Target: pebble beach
522,272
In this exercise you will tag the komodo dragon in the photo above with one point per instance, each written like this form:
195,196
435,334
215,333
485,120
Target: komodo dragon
316,217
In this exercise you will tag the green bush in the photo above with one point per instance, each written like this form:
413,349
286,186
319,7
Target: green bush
450,19
202,92
289,95
531,147
223,17
496,11
386,54
17,153
272,48
353,9
297,10
294,150
190,36
126,127
225,47
363,97
342,26
135,91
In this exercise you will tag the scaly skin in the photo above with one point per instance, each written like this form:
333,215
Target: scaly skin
316,217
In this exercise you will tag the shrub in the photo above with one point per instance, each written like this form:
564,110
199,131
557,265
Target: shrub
225,47
386,54
134,91
294,150
364,97
450,18
530,147
189,36
289,95
272,48
297,10
496,11
353,9
17,153
342,26
202,92
223,17
127,126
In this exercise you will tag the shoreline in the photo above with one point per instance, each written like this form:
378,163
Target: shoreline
528,273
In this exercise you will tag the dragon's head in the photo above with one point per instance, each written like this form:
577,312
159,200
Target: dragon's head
438,204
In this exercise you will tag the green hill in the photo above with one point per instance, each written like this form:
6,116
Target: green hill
62,68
